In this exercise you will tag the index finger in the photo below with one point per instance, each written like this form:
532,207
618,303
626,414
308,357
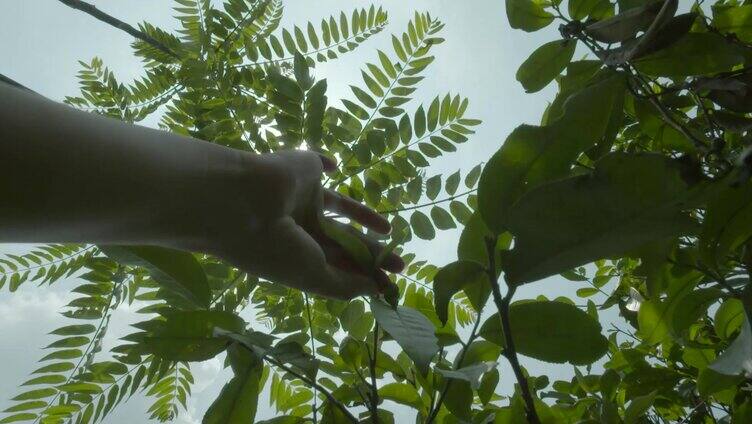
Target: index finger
358,212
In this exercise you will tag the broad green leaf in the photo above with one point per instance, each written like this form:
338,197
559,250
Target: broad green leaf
419,123
454,277
642,198
736,358
626,24
550,331
352,244
452,183
238,400
728,318
176,271
422,226
532,155
402,393
710,382
442,218
471,374
410,329
433,187
596,9
23,416
433,114
74,330
727,224
527,15
488,384
545,64
471,179
302,75
190,335
694,54
736,19
638,407
459,400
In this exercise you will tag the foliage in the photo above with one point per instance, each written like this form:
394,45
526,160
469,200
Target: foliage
636,183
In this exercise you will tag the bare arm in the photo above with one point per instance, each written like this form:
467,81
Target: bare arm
71,176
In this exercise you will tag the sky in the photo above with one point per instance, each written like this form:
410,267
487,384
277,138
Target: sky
42,41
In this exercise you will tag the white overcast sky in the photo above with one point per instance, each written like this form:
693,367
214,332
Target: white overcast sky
42,40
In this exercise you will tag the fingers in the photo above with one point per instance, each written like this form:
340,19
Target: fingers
391,262
329,164
358,212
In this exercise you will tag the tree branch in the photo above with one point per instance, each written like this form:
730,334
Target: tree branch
90,9
448,382
509,350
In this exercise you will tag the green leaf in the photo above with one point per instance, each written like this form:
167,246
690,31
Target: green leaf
471,179
419,123
238,400
452,183
405,129
442,218
433,114
736,358
545,64
532,155
401,393
626,24
353,245
694,54
433,187
488,386
642,198
471,374
727,224
728,318
527,15
36,394
638,407
24,416
190,335
550,331
710,382
454,277
422,226
736,19
300,68
74,330
410,329
398,49
176,271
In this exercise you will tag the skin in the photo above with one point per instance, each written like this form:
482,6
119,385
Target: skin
75,177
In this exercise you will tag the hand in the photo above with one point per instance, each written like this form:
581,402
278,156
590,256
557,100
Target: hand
284,243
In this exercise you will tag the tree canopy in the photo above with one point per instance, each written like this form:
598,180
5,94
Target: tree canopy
636,182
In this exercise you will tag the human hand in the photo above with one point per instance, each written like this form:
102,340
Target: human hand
270,226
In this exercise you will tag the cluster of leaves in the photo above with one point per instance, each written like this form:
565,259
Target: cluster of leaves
644,154
230,76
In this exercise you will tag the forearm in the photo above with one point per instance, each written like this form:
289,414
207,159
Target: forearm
71,176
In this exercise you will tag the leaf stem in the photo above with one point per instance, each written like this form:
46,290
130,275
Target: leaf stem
315,385
313,352
502,304
372,365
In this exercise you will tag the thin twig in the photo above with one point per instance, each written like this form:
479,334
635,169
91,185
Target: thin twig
448,382
502,304
117,23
